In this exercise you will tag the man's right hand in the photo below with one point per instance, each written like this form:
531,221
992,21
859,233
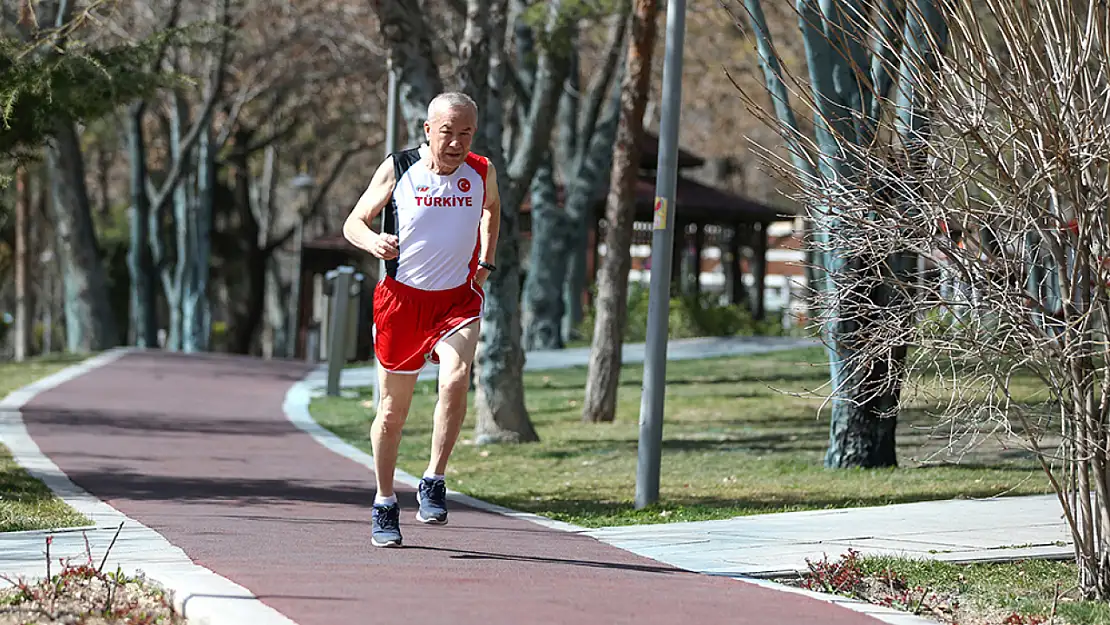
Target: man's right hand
385,247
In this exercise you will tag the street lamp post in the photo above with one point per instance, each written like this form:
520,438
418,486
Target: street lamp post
392,130
655,363
304,183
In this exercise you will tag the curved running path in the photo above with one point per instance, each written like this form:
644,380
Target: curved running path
198,449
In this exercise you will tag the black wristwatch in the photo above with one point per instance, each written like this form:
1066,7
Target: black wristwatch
487,266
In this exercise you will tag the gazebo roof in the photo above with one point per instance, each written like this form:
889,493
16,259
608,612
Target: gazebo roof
649,153
697,202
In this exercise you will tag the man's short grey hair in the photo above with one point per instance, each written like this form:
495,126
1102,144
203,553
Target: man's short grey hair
451,100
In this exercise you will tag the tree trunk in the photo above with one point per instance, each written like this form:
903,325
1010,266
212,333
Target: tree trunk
197,313
281,328
22,338
406,32
140,263
499,399
90,323
581,198
862,432
174,276
585,150
543,296
862,428
248,311
594,160
474,51
603,374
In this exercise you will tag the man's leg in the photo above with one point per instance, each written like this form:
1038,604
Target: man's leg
395,396
456,354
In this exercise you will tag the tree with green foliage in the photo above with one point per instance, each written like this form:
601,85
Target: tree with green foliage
45,75
50,81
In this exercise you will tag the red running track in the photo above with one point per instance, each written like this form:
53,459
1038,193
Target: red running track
197,448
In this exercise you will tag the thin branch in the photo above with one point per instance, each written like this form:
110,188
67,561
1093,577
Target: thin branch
599,85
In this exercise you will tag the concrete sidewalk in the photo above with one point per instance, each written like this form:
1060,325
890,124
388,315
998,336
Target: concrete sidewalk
984,530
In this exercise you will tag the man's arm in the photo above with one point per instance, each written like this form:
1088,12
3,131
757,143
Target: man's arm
491,224
356,228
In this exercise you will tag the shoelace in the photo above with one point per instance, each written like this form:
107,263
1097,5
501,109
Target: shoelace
388,519
437,491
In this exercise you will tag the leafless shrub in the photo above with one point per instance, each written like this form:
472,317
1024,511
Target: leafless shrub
977,237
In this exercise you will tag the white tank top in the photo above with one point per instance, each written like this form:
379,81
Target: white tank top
436,221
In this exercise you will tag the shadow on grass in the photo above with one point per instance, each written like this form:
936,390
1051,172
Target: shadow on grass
760,443
628,380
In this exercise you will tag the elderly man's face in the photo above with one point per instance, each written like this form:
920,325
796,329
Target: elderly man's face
449,133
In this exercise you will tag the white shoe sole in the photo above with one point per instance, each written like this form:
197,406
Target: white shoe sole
420,501
388,543
431,521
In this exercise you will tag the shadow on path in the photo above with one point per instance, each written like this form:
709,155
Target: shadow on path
460,554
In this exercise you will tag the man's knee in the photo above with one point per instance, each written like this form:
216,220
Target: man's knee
454,380
391,415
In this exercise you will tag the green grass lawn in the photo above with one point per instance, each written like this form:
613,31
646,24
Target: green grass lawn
740,438
26,503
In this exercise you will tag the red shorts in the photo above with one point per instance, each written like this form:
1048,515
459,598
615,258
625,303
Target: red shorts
409,322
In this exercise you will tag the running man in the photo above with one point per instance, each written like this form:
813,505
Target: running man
439,235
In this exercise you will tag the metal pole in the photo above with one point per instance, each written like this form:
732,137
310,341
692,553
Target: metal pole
392,110
391,106
337,339
662,244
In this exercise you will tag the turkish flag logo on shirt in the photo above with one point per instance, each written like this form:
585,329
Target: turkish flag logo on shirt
464,185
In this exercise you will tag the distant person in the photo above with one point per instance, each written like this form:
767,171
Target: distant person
439,236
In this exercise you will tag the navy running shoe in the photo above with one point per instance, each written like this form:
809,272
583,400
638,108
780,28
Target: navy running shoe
432,496
386,526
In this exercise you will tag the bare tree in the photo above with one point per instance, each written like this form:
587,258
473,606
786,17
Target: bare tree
854,49
587,128
600,403
502,414
1000,176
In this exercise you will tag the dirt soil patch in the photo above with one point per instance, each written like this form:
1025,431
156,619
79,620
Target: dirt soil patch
84,594
1027,592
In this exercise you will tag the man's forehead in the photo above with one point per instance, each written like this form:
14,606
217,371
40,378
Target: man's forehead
454,117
